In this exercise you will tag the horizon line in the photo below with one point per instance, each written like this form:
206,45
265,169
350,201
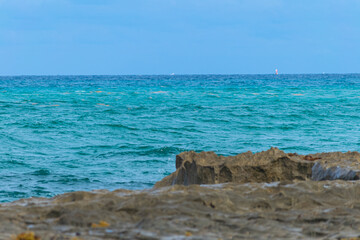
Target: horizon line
171,74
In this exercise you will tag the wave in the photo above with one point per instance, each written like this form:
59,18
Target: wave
118,126
41,172
77,145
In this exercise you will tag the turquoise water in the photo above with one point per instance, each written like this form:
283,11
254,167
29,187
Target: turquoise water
61,134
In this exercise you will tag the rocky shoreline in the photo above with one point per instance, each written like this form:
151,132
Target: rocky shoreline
267,166
267,195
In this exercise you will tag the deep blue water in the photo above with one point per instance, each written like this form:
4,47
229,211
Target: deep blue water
68,133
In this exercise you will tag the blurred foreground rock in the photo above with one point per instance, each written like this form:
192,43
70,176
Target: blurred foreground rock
298,210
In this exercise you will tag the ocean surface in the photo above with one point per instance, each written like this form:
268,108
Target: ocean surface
70,133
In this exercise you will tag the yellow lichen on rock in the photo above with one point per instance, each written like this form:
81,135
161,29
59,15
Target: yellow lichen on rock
26,236
100,224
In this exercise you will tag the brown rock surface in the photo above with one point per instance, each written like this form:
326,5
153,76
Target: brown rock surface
267,166
266,199
298,210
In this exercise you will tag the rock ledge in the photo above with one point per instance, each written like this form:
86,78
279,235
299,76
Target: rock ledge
267,166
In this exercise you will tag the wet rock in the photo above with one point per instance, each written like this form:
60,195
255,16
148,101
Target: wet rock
320,172
337,165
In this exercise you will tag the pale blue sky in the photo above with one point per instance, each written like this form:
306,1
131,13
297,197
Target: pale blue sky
180,36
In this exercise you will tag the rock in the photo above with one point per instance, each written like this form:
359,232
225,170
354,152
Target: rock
256,209
267,166
336,165
320,172
209,168
279,210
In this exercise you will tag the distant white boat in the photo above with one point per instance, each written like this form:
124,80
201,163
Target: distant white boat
172,74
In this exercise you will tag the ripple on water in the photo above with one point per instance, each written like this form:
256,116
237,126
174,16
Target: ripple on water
132,142
41,172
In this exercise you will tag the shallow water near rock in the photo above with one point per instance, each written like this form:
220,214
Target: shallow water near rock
71,133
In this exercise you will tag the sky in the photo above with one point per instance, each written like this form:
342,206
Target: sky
90,37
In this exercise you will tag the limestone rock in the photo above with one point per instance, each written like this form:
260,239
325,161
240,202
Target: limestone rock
254,210
279,210
267,166
209,168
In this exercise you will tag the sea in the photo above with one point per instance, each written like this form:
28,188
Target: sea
69,133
